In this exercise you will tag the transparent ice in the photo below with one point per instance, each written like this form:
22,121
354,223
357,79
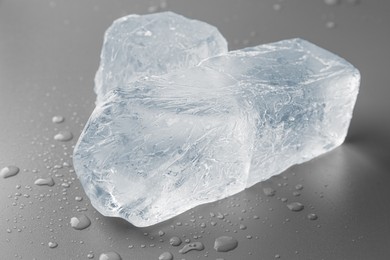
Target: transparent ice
153,44
161,145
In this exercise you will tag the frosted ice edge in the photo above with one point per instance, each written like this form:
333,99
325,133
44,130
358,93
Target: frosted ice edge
153,44
260,91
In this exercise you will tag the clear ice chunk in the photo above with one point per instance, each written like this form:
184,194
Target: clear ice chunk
154,44
162,145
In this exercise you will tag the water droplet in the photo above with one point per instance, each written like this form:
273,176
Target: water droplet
80,222
58,119
299,187
276,7
90,255
9,171
165,256
175,241
268,191
330,24
192,246
242,227
331,2
220,215
63,136
295,206
225,244
110,256
78,198
48,182
161,233
312,216
296,193
52,244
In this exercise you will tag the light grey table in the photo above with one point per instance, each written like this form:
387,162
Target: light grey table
49,52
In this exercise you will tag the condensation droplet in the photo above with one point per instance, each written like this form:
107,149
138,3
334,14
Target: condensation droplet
63,136
299,187
242,227
78,198
295,206
330,24
110,256
58,119
192,246
277,7
331,2
268,191
52,244
175,241
225,244
9,171
165,256
312,216
80,222
47,181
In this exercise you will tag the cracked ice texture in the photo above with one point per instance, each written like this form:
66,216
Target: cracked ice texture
165,144
154,44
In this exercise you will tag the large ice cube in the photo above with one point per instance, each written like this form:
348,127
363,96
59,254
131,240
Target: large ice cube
162,145
153,44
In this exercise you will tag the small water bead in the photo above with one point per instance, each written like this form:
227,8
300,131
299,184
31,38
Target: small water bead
242,227
268,191
296,193
299,187
331,2
63,136
192,246
330,25
225,244
277,7
110,256
295,206
52,244
90,255
9,171
81,222
58,119
44,182
78,198
161,233
65,185
165,256
175,241
312,216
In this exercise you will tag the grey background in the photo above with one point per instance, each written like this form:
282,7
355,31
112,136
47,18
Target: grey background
49,53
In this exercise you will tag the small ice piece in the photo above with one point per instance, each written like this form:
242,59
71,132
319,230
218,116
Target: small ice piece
162,145
154,44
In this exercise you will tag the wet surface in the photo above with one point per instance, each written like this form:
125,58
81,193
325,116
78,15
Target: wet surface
49,53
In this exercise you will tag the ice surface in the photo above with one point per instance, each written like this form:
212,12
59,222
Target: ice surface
158,146
154,44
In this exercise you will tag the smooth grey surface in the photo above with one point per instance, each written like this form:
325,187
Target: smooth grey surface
49,53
